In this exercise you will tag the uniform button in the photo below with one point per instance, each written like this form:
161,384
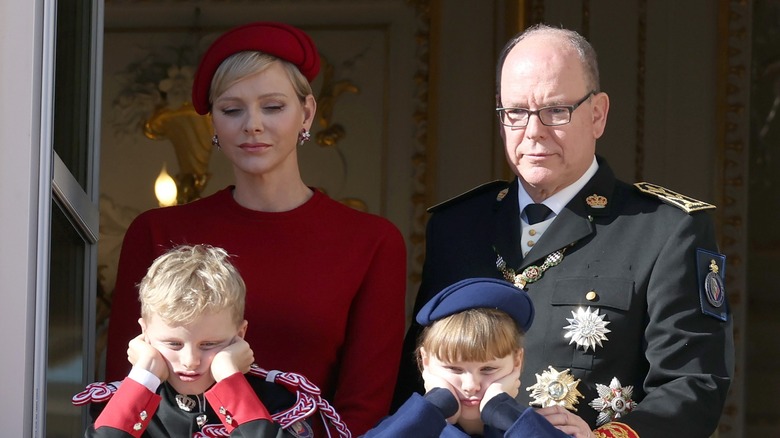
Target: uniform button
531,243
222,410
532,232
229,419
137,426
143,415
591,296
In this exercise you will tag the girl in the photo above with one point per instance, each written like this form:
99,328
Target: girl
470,354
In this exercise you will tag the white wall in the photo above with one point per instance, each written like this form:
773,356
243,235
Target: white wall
20,61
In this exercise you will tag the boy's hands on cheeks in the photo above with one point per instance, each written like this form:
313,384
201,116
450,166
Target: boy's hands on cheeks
509,384
141,354
434,381
236,357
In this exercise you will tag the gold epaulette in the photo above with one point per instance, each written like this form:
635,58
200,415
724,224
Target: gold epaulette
615,429
469,194
685,203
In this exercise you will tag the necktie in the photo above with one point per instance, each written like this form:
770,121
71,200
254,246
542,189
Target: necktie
536,213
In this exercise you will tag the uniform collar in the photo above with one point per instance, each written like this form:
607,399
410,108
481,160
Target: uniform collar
575,221
558,201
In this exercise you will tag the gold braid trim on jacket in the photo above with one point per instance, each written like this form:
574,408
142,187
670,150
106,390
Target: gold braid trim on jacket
615,430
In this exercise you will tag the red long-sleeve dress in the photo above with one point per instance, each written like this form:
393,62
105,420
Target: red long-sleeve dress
325,291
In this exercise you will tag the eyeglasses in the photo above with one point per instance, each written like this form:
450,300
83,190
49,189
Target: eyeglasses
549,116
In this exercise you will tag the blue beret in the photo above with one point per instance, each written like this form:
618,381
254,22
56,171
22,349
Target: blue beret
478,293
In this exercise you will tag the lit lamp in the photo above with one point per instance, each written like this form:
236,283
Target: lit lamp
190,134
165,188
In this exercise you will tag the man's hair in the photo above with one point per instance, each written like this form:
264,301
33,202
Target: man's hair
189,281
474,335
584,50
244,64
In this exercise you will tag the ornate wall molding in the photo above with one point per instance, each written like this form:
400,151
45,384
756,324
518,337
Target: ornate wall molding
422,180
641,69
733,122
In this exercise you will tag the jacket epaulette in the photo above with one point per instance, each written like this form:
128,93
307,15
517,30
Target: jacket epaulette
471,193
685,203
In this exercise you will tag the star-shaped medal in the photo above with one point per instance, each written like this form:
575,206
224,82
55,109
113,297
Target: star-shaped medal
613,401
586,328
554,388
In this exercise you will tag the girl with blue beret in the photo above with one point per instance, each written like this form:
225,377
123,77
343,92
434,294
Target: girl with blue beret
470,355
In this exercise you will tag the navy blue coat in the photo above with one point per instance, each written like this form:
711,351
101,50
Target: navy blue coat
503,417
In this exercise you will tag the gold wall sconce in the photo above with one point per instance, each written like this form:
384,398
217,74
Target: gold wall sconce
190,134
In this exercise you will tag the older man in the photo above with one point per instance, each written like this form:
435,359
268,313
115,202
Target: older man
634,336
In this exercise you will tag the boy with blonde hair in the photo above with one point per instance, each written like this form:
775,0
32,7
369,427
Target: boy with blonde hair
193,372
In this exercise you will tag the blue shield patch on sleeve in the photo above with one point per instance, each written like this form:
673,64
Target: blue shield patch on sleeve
711,272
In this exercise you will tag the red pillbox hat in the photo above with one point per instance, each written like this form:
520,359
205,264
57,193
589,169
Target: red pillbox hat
278,39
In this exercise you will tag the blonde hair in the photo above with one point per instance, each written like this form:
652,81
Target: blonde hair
474,335
244,64
189,281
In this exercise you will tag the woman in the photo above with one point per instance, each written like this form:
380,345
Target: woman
471,353
325,283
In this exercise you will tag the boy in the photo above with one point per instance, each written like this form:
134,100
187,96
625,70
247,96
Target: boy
193,373
471,354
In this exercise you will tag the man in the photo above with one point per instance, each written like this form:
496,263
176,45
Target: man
634,333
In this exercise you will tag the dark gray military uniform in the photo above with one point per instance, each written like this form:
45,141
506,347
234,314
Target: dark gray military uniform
638,256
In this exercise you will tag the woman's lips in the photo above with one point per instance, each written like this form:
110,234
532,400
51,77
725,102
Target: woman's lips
254,146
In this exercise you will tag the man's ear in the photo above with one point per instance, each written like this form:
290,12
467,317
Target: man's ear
600,111
242,329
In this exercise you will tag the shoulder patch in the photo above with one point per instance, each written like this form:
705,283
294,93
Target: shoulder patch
473,192
684,203
97,392
711,271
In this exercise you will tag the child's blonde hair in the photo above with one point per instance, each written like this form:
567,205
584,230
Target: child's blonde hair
189,281
474,335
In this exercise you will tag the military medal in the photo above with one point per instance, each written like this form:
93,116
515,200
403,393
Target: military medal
713,285
554,388
613,401
531,273
586,328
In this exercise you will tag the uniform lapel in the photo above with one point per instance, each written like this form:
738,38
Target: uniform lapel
574,222
505,229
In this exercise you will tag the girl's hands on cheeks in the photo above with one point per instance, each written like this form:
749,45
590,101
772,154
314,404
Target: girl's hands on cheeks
236,357
434,381
566,422
509,384
141,354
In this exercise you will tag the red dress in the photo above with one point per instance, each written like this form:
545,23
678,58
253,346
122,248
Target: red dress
326,287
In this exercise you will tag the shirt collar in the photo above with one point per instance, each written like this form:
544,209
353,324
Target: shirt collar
558,201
